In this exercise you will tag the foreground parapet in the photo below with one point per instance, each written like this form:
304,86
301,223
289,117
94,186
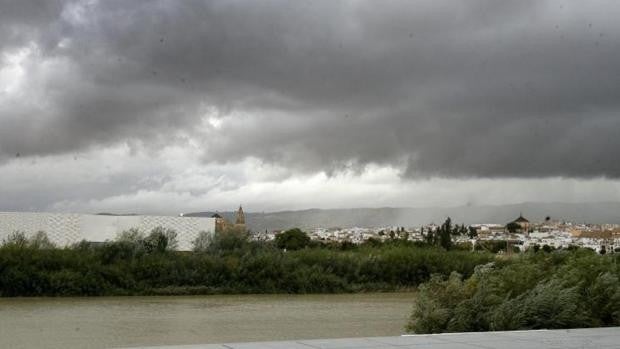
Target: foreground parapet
541,339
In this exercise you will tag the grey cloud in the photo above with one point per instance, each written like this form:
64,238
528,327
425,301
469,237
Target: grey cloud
478,89
23,21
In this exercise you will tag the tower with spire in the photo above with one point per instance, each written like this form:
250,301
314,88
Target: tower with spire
240,219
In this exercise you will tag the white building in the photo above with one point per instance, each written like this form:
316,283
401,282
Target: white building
64,229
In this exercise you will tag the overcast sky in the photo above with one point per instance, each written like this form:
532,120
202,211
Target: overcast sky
177,106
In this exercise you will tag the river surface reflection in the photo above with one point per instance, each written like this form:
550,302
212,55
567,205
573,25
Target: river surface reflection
134,321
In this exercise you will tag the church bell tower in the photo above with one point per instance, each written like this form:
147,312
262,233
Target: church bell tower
240,221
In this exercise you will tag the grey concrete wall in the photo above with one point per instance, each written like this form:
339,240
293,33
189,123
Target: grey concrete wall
67,228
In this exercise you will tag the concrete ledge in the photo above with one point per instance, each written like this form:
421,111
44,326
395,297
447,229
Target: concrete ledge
604,338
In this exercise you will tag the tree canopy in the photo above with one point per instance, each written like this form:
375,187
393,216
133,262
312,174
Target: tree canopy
292,239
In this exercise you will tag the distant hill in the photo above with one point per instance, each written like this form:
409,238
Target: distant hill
372,217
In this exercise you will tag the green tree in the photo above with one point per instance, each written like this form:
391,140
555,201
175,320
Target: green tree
292,239
202,242
40,241
472,232
464,230
445,234
16,239
230,240
459,230
132,235
161,240
429,236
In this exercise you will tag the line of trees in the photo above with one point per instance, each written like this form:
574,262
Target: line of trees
137,264
444,234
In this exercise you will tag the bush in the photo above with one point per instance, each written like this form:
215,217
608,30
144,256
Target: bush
561,289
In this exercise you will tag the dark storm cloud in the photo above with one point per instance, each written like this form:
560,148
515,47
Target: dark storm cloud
21,21
478,88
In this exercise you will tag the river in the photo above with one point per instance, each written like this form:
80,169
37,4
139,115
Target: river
134,321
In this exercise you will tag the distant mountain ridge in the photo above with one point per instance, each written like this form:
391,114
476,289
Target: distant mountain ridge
408,216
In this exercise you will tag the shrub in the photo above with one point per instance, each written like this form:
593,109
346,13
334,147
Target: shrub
560,289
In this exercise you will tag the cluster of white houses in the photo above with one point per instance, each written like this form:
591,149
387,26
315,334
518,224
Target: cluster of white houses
519,232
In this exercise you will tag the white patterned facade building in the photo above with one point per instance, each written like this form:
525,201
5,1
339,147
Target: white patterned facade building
64,229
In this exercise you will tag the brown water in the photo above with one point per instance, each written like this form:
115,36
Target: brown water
135,321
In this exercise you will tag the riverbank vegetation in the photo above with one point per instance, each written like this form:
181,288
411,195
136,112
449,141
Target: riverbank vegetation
534,290
458,289
225,263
